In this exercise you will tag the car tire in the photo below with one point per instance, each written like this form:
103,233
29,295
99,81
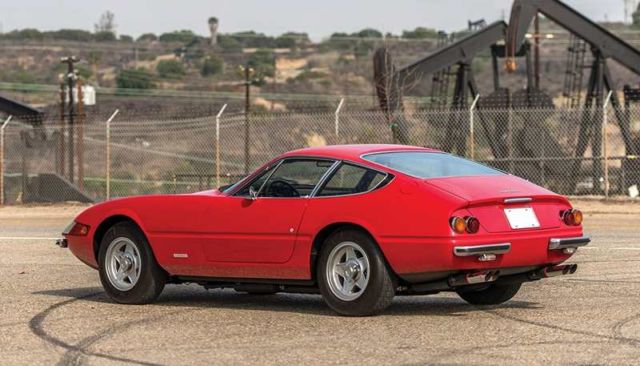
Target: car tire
128,269
493,295
353,254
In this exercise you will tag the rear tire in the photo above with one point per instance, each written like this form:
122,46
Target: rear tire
493,295
128,269
352,274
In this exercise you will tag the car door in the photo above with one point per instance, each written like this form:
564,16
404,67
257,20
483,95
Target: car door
259,223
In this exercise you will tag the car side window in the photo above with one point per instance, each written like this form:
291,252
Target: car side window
351,179
256,184
295,178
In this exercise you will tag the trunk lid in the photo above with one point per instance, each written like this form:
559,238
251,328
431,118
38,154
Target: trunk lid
488,196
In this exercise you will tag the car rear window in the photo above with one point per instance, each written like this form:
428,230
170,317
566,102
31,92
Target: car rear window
351,179
430,165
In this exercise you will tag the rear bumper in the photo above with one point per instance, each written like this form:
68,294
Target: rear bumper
484,253
567,243
425,259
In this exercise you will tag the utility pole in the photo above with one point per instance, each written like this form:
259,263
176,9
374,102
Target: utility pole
71,76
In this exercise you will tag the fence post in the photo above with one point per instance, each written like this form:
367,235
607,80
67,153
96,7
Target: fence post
108,165
4,125
337,119
218,145
472,147
605,143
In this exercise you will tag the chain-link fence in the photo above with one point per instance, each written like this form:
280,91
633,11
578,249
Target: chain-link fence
574,152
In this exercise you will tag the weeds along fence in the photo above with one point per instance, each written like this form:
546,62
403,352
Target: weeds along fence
573,152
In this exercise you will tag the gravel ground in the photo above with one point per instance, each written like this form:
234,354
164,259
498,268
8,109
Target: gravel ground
54,311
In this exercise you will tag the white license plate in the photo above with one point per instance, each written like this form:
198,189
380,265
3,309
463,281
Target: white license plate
522,218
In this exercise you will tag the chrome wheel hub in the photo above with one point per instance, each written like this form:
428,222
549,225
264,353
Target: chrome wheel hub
347,271
123,264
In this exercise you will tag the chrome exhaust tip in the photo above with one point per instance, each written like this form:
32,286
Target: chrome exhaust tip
62,243
473,278
553,271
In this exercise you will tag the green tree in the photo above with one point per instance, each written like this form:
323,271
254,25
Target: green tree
147,37
105,36
212,65
134,79
263,62
420,33
229,44
106,23
126,38
340,41
253,39
182,36
292,40
170,69
368,33
78,35
23,34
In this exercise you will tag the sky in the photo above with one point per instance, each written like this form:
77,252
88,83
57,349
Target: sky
319,18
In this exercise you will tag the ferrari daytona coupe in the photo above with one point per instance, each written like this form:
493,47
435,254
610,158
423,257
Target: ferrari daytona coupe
357,223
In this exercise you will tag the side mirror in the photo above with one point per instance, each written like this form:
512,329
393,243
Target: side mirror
253,194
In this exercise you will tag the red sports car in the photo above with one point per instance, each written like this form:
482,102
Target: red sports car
357,223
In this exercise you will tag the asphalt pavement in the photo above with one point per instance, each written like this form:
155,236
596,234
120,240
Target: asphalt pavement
54,311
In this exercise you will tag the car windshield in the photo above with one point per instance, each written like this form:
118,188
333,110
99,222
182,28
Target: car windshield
429,164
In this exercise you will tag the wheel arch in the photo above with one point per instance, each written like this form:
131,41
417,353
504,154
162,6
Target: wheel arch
326,231
105,225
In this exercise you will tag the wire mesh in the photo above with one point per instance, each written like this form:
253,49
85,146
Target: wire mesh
570,151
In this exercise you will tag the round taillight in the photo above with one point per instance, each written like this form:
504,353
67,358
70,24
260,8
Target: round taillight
572,217
458,224
473,224
577,217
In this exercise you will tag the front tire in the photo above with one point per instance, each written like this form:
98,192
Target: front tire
352,274
128,270
492,295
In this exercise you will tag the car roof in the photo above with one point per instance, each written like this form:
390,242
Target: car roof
353,152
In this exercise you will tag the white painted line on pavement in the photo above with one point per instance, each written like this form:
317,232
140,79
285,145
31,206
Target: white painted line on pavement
26,238
614,248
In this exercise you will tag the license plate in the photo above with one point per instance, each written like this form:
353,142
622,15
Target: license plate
522,218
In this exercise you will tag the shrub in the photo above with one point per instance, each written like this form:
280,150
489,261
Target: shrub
212,65
134,79
170,69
